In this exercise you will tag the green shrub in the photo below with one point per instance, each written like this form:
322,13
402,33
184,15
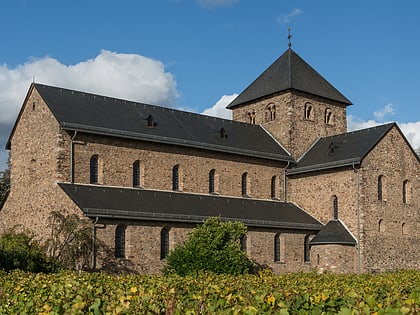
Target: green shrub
21,251
213,246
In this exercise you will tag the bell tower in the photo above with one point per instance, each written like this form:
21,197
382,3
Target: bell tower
293,102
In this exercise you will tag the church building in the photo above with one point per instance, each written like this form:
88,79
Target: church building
312,195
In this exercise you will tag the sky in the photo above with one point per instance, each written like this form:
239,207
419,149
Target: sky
198,55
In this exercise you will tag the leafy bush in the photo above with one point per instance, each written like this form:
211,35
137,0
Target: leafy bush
214,246
21,251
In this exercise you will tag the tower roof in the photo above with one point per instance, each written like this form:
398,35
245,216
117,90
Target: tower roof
289,72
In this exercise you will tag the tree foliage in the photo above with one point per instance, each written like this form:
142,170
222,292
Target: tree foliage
214,246
70,243
4,184
22,251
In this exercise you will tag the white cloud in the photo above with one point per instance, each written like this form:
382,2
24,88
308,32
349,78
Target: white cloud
386,111
127,76
412,133
219,109
216,3
287,18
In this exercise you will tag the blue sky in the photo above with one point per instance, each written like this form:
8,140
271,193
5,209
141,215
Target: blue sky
196,54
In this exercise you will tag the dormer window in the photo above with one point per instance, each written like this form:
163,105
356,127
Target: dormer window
150,121
331,149
222,133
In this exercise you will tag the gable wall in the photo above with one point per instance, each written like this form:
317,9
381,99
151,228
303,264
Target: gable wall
117,157
38,158
388,247
314,192
290,127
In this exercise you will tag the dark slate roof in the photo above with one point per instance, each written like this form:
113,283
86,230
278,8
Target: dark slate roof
156,205
340,150
289,71
334,232
97,114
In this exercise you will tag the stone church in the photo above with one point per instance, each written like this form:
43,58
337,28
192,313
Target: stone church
312,195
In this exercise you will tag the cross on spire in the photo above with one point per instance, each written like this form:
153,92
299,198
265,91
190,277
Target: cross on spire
289,37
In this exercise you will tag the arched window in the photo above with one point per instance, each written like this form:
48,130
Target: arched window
164,243
274,187
328,118
175,178
306,250
120,241
251,117
308,111
403,229
381,227
136,173
211,181
242,241
406,192
277,247
335,207
244,184
380,179
273,112
94,169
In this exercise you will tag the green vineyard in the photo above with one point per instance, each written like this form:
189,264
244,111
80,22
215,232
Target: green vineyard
266,293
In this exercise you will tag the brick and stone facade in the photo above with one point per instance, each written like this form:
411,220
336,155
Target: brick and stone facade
385,228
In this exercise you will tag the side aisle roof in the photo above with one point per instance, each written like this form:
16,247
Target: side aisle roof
90,113
157,205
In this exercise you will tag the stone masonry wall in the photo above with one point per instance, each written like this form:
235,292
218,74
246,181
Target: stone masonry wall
334,258
37,154
143,247
157,160
295,131
391,229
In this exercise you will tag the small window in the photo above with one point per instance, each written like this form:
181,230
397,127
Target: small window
211,181
251,117
274,187
164,243
277,248
244,184
406,189
94,169
403,229
243,244
335,207
380,180
306,250
308,112
328,118
120,241
136,174
381,227
175,178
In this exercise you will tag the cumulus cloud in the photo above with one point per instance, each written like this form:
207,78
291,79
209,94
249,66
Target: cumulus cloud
127,76
216,3
287,18
219,109
386,111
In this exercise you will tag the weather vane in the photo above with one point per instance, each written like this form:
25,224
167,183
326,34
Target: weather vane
289,37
